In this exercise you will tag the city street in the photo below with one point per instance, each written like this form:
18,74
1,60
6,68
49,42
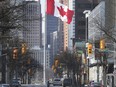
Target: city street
58,43
32,85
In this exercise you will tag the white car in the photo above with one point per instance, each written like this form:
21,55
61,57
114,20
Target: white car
57,82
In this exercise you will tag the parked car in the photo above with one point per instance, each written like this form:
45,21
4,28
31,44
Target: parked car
57,82
86,85
67,82
16,83
96,84
4,85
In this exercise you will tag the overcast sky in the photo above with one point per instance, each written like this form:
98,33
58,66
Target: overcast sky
43,6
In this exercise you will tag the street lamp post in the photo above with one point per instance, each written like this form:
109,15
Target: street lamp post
114,64
87,13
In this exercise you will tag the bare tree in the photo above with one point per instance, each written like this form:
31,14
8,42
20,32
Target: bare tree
71,63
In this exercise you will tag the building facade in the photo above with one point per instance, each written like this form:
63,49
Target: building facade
33,24
54,45
71,29
80,7
94,34
51,26
110,25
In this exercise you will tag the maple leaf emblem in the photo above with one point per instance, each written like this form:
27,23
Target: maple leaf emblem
61,11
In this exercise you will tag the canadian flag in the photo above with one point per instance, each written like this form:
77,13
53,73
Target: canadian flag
59,10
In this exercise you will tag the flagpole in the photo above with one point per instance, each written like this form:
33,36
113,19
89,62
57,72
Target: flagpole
44,65
44,62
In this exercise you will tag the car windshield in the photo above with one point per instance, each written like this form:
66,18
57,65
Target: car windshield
56,79
96,83
5,85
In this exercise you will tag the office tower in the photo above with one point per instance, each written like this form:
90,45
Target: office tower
51,26
65,28
54,46
33,24
71,29
80,7
60,36
33,31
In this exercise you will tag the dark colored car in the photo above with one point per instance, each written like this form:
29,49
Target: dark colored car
15,83
67,82
95,84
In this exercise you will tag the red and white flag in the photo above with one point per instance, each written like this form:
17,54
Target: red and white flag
59,10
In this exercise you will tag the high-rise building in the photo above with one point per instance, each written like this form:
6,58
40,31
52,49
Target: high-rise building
80,7
65,27
94,34
33,24
54,46
60,36
51,26
110,25
71,29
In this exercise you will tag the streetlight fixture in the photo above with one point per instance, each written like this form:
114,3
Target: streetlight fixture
87,13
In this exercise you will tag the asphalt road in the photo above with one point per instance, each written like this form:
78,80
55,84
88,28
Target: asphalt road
32,85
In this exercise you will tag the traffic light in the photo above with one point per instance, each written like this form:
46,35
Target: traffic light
90,48
53,67
102,44
56,62
15,53
23,48
54,70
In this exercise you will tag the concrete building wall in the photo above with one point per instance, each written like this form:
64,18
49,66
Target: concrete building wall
38,53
